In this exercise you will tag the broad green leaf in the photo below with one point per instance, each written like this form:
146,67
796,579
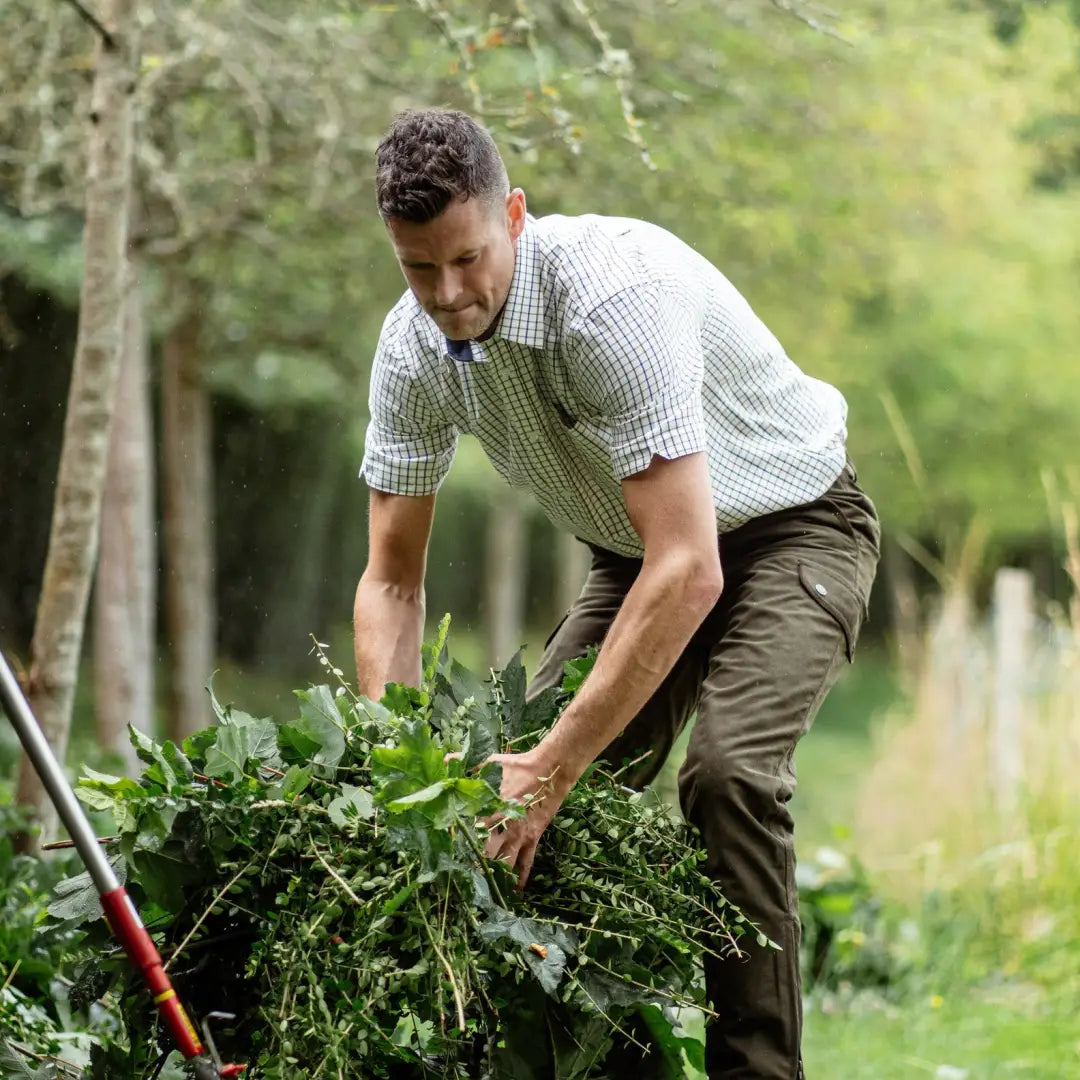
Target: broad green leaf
321,723
238,743
76,898
120,786
539,713
402,700
675,1047
294,782
483,734
158,770
177,759
415,763
352,803
545,948
196,745
465,684
512,681
415,798
576,671
295,744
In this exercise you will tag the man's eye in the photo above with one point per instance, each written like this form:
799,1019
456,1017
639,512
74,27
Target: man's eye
468,259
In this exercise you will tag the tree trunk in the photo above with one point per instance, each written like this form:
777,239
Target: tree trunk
73,537
124,599
187,527
505,577
291,619
573,559
904,601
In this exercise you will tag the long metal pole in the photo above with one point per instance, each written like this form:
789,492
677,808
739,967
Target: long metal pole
52,776
119,910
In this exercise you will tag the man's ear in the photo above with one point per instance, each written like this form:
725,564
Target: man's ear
515,212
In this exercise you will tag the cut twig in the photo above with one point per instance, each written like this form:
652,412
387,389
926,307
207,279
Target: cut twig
92,20
58,845
339,879
202,918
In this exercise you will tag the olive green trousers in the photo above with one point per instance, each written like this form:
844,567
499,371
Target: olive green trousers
796,585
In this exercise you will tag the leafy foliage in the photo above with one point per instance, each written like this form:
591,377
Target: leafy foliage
35,1007
323,880
851,942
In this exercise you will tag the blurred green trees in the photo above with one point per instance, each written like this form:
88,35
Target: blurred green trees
867,188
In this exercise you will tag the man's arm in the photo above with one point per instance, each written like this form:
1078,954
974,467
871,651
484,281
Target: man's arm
670,506
388,615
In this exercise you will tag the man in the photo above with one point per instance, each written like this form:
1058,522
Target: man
618,376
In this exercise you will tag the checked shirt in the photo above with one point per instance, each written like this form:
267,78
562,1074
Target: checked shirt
617,342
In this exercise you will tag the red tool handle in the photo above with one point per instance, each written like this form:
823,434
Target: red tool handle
129,930
119,910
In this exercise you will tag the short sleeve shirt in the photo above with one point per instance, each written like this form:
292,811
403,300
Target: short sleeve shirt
618,342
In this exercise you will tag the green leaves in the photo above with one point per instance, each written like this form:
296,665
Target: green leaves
544,948
411,765
319,735
352,805
331,869
242,743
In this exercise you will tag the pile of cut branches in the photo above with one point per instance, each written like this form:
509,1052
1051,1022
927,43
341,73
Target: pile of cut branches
323,880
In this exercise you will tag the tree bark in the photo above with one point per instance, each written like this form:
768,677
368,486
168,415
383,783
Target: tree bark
291,618
124,600
505,577
904,602
187,526
73,537
573,559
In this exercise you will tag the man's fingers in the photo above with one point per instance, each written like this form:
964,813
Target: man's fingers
525,863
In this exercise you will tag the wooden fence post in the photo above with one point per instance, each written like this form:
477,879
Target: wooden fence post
1013,623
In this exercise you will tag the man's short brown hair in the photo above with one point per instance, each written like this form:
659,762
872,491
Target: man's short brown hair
431,157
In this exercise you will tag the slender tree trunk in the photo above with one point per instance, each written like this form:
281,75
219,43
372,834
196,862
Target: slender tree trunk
73,538
904,600
124,599
507,563
572,567
187,526
292,616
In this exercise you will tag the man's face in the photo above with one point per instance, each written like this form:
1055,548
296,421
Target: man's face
460,265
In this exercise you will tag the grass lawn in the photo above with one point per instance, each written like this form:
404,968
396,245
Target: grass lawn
965,1038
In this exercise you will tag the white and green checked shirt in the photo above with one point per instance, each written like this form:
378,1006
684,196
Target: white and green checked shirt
617,342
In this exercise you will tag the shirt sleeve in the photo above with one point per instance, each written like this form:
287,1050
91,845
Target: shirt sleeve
409,446
637,361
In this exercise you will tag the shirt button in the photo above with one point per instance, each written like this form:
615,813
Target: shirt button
821,590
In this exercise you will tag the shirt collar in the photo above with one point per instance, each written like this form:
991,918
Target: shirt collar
522,319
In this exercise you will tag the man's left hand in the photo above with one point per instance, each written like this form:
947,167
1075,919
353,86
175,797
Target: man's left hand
527,778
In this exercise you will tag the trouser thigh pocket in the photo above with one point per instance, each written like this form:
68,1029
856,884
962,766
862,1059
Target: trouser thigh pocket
836,595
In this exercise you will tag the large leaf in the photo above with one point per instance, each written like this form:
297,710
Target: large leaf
512,683
675,1046
319,733
239,741
483,734
76,898
414,764
544,947
14,1066
354,803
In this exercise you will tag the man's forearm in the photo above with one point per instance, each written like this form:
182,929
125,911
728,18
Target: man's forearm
661,612
388,629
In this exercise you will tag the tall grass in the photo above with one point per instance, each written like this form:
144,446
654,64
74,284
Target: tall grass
998,879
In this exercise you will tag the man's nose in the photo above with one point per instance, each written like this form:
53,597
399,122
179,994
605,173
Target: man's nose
447,287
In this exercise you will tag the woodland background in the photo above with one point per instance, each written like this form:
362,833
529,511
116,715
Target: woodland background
893,186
